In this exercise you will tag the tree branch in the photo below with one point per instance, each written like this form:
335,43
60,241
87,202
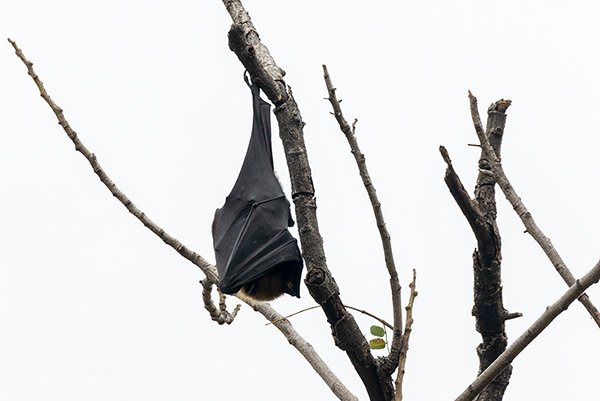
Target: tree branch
386,242
220,315
244,41
551,312
469,207
488,307
523,213
406,337
283,325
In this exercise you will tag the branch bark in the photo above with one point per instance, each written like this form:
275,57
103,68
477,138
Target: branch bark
284,326
551,312
495,167
481,213
244,41
488,309
220,315
392,360
406,337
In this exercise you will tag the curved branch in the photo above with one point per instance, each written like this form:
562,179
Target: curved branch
364,312
220,315
523,213
284,326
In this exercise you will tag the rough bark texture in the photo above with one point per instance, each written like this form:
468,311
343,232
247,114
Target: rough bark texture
245,43
524,214
480,212
551,312
488,307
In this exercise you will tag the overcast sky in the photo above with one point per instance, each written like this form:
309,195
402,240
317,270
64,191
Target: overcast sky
95,307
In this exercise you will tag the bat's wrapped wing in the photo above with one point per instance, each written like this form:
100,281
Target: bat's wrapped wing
250,232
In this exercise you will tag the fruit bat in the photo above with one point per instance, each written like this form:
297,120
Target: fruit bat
257,257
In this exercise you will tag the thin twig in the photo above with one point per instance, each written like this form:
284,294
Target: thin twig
364,312
406,337
284,326
376,205
523,213
551,312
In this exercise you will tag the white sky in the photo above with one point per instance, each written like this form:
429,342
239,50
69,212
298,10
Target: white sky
94,307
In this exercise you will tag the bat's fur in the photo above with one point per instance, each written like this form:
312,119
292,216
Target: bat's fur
270,286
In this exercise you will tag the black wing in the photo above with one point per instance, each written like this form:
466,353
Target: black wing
250,232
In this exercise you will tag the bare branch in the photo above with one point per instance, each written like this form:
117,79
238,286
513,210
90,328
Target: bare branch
198,260
406,337
468,206
488,307
313,358
220,315
551,312
481,214
376,205
284,326
523,213
244,41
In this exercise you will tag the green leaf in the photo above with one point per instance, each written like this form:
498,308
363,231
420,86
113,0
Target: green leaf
377,331
377,343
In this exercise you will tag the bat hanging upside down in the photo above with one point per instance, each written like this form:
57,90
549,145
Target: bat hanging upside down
257,257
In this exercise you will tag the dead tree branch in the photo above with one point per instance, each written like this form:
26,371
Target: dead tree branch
244,41
495,167
406,337
480,212
283,325
551,312
488,306
386,241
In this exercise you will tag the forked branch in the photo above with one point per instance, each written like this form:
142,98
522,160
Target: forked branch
488,308
523,213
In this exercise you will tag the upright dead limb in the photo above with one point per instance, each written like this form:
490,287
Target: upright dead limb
244,41
391,363
480,212
495,167
282,324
